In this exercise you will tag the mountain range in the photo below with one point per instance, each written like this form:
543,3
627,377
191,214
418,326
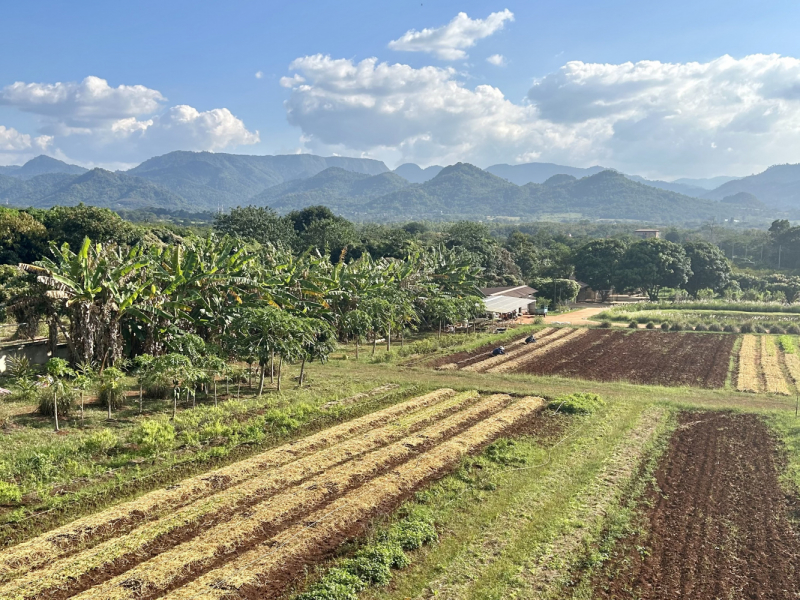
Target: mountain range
366,189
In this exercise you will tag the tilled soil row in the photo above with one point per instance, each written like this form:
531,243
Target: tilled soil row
98,563
266,570
121,519
490,362
719,526
645,357
531,354
461,360
178,564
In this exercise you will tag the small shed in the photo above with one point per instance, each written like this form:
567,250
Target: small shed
508,299
648,233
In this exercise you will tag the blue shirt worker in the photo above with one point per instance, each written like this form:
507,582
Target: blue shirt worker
498,351
530,339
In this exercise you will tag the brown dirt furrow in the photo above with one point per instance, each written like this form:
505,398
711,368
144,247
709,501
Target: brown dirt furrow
120,519
460,360
489,361
719,524
181,563
265,571
100,562
570,355
594,359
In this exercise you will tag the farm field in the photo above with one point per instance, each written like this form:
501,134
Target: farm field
767,365
644,357
248,524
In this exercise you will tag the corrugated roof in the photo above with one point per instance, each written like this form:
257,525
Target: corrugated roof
516,291
505,304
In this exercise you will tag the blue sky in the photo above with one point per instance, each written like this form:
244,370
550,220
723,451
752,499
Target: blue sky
205,55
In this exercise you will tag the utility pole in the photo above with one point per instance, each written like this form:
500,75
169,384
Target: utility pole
780,248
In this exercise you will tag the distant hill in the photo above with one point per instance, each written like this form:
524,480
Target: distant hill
416,174
41,165
744,199
536,172
97,187
210,179
777,187
331,186
695,191
708,183
465,191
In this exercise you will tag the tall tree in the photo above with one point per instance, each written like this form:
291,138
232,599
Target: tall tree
710,268
652,264
597,263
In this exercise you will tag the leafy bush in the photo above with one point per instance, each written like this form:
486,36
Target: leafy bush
338,584
605,325
633,325
9,493
677,326
650,325
777,329
111,389
100,442
155,436
793,329
700,327
502,452
760,329
19,367
731,329
580,403
665,326
715,327
46,396
747,327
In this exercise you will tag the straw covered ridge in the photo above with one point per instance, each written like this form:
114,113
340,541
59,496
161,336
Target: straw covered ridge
521,350
206,512
123,518
747,379
255,569
538,351
244,529
773,374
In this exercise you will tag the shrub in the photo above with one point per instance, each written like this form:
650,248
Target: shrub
9,493
747,327
413,532
715,327
793,329
580,403
373,565
731,329
700,327
665,326
650,325
111,389
46,395
777,329
100,442
605,325
154,436
633,325
760,329
338,584
677,326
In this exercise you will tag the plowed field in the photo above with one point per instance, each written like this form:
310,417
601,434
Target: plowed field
646,357
719,526
249,529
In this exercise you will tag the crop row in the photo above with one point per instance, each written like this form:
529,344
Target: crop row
125,517
265,566
774,379
748,378
224,506
513,365
522,349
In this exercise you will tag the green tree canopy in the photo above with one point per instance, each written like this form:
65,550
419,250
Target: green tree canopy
652,264
258,223
710,268
597,263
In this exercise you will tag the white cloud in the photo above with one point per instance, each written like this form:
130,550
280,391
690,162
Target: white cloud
498,60
448,42
652,118
88,119
16,147
259,74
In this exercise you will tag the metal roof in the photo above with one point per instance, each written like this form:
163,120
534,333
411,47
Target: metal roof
517,291
505,304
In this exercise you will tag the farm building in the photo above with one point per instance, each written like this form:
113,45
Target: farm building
504,300
647,233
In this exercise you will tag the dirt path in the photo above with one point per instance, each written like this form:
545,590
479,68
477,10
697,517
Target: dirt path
719,528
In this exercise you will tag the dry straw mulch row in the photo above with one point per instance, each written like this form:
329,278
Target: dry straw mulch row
513,365
126,516
382,389
163,571
474,360
206,512
253,570
793,366
773,374
492,361
748,379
